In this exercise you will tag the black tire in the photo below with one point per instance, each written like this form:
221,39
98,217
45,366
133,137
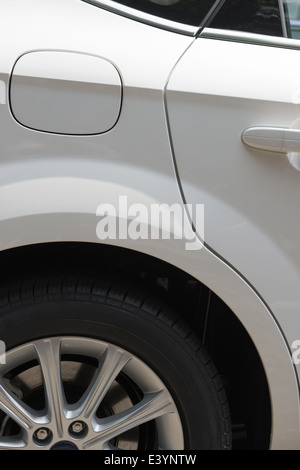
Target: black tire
127,318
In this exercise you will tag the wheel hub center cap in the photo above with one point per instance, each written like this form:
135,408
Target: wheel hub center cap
64,445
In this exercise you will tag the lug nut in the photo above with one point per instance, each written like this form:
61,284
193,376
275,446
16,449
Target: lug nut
42,434
77,427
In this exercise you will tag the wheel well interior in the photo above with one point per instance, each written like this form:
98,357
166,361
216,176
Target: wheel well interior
225,338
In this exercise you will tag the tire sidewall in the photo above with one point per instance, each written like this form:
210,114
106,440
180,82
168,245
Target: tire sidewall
148,338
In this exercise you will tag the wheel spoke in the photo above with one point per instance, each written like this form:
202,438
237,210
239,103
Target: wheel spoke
107,409
18,411
14,443
151,407
110,365
48,351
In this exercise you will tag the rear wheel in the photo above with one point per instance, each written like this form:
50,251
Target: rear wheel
92,364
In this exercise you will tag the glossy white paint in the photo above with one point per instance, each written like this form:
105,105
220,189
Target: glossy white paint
251,196
51,185
65,93
273,139
265,138
36,214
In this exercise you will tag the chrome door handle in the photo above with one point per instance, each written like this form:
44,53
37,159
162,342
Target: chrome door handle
274,139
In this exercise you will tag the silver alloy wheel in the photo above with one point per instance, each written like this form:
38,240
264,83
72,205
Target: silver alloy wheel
81,393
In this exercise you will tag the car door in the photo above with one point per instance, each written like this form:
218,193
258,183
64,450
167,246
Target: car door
234,116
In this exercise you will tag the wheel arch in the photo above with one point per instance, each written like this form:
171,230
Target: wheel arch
213,286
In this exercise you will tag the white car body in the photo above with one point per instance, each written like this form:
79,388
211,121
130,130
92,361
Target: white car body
174,136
